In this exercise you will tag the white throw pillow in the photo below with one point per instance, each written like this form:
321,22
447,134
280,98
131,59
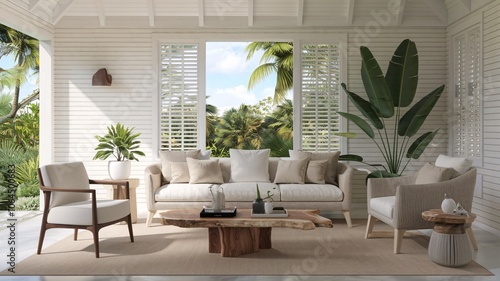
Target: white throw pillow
331,157
204,171
249,165
459,164
174,156
316,171
430,173
291,171
179,172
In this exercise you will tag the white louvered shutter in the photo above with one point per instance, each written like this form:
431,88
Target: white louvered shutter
320,87
179,96
467,105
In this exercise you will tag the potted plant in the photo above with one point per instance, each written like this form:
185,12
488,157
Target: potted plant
384,121
258,206
122,143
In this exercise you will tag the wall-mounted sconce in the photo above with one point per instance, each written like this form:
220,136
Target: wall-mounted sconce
101,78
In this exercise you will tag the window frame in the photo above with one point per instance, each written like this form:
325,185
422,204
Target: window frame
202,38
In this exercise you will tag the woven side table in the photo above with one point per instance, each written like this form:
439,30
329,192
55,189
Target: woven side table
449,245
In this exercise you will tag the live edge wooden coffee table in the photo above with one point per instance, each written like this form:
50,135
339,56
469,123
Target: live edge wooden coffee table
243,234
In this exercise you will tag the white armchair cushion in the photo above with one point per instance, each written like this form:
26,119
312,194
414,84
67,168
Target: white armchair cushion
459,164
291,171
383,205
249,165
80,213
430,173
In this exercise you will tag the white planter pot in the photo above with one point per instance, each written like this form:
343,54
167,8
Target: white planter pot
268,207
119,170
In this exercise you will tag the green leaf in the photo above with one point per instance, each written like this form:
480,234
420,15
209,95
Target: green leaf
419,145
364,107
413,119
375,85
402,74
362,124
350,157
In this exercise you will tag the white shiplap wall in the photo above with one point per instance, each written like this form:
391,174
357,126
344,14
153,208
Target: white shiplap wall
82,111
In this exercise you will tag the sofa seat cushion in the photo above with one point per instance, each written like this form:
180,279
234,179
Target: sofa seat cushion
311,193
80,213
247,191
383,205
184,192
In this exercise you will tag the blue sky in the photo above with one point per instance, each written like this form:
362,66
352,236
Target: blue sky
27,88
228,72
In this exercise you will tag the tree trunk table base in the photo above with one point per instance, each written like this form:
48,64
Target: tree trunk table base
236,241
232,237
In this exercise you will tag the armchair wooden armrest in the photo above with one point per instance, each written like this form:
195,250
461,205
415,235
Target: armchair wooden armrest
118,183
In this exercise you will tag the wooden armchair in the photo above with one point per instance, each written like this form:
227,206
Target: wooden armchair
70,203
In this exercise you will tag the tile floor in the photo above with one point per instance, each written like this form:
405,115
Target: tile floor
28,227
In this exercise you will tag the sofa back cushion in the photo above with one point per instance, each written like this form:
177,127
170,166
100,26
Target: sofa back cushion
174,156
249,165
331,157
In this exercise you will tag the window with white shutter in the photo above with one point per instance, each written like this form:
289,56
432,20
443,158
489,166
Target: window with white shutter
179,83
320,88
467,105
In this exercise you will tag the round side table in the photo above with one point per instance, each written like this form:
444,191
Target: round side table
449,245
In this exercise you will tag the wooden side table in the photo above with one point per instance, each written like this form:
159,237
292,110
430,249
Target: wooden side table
118,192
449,244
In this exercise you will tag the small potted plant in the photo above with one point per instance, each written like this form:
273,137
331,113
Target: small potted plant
258,204
122,143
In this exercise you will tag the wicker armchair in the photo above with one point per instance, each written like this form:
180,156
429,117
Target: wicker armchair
399,202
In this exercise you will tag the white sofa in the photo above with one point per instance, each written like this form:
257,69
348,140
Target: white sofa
324,197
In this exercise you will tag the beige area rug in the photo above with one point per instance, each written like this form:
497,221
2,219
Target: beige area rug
170,250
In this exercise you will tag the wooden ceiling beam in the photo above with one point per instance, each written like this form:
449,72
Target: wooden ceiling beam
201,13
151,11
350,12
439,9
100,12
467,4
401,12
33,4
60,9
251,12
300,12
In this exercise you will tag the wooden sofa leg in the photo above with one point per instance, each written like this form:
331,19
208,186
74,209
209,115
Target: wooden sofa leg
347,216
472,238
151,214
369,226
398,239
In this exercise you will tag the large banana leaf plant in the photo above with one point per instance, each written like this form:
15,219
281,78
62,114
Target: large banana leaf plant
387,97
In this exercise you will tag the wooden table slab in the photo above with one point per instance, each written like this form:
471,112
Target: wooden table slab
243,234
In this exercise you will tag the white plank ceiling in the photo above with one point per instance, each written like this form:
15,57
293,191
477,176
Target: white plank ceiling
246,13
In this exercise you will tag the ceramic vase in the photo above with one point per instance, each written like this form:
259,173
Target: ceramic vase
448,205
268,206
